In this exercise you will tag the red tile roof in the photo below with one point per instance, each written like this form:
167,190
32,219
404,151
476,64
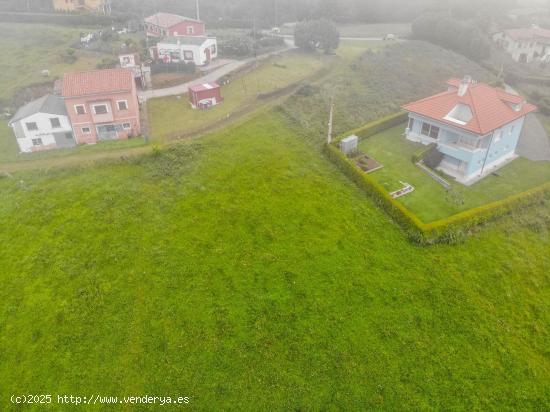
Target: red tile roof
491,107
167,20
204,86
97,82
528,34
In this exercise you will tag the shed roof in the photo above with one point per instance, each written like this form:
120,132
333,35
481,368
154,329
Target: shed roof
491,107
204,86
48,104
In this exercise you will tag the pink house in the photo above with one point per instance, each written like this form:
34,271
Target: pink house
172,25
102,105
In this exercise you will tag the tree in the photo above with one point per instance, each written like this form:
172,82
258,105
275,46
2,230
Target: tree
317,34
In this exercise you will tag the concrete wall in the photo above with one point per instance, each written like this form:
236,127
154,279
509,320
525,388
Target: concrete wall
177,52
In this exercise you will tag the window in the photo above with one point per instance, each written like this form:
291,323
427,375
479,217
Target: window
430,130
80,109
190,30
126,126
426,129
512,130
86,130
32,126
188,55
498,136
122,105
434,132
101,109
411,123
37,142
56,124
69,136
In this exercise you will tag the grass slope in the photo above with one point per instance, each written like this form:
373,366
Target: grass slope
173,115
377,83
22,43
244,271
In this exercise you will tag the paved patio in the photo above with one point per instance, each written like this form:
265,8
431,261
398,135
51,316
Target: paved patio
534,143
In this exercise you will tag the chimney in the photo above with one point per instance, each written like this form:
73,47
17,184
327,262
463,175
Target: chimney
463,88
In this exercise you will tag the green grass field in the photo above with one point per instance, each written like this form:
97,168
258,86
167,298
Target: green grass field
375,30
243,270
171,115
36,47
430,201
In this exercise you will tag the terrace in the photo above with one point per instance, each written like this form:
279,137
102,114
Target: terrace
430,201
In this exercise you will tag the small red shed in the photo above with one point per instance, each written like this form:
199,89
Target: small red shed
206,95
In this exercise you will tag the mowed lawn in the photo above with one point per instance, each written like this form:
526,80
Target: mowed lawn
430,201
173,115
243,270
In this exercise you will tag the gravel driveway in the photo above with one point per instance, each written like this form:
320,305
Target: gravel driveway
534,143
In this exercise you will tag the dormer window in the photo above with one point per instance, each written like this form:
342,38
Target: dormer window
461,114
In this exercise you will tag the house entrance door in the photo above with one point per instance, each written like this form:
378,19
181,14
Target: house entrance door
107,132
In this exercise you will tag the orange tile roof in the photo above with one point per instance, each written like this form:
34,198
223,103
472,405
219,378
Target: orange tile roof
97,82
491,107
528,34
167,20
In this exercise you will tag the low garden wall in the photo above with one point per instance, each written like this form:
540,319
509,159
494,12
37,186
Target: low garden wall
449,230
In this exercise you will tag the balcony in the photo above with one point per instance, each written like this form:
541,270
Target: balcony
460,152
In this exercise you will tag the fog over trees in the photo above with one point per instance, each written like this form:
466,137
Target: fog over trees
275,12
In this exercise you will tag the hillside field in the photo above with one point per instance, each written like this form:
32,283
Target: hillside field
244,271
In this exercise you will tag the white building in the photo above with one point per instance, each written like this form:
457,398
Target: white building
525,45
199,50
43,124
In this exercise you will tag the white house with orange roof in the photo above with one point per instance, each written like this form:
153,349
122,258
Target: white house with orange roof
474,126
525,45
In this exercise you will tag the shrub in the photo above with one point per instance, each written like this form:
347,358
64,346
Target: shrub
317,34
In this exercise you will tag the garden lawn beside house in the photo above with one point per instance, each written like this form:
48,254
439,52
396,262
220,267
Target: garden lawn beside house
245,271
430,201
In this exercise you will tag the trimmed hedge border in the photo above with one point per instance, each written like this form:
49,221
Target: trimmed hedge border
448,230
370,129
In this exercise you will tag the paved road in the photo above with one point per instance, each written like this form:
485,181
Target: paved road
183,88
213,76
534,143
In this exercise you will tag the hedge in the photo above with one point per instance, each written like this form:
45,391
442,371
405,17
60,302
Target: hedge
448,230
370,129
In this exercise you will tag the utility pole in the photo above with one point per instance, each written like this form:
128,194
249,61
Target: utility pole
331,115
198,10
